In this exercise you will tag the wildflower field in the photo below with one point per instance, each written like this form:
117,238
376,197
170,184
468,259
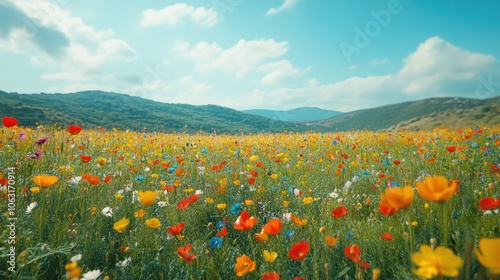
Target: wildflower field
110,204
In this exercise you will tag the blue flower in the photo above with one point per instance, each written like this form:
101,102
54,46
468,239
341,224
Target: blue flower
215,242
140,178
289,233
235,208
349,235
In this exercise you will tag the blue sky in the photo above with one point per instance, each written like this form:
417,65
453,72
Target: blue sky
247,54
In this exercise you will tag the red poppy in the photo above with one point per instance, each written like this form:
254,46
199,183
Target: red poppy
386,210
397,162
299,278
222,232
85,158
193,198
451,149
339,212
488,203
251,180
183,204
386,236
364,265
273,226
176,229
353,252
74,129
107,179
244,221
183,252
3,181
9,121
299,251
270,276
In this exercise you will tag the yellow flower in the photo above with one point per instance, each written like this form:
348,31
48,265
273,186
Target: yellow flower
436,262
155,175
376,273
248,202
286,203
244,265
254,158
101,161
274,176
45,181
270,257
221,206
140,213
436,188
35,190
121,224
489,254
147,198
188,190
119,196
209,200
153,223
398,198
307,200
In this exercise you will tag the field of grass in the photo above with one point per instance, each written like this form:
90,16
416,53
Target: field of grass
134,205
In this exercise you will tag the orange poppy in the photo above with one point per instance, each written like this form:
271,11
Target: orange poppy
244,221
183,204
45,181
176,229
331,241
353,252
262,236
437,188
273,226
184,254
74,129
299,251
399,198
297,221
244,265
93,180
339,212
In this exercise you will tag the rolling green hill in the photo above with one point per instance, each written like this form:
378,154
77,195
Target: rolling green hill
385,117
96,108
303,114
487,114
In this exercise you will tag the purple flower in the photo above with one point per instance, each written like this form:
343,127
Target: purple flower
38,154
41,141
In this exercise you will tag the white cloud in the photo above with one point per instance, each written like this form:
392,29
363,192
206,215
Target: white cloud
82,50
286,5
174,14
240,59
202,88
185,80
436,69
437,64
279,72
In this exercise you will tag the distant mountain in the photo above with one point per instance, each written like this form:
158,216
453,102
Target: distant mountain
114,110
303,114
389,116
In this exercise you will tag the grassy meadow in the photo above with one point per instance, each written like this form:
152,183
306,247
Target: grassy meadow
112,204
